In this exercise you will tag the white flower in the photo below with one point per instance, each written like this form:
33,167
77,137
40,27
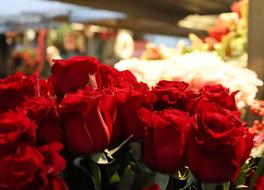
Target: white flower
198,69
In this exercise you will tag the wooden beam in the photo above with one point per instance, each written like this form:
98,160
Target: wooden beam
133,7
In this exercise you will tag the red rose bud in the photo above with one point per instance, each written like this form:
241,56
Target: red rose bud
72,74
109,76
21,171
15,129
217,94
165,139
87,123
221,96
43,111
54,162
29,169
171,94
219,144
14,89
130,98
129,95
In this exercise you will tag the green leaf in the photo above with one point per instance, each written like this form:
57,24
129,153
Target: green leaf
144,168
100,158
257,173
127,179
93,171
209,186
77,163
136,150
96,174
162,180
241,180
114,179
191,180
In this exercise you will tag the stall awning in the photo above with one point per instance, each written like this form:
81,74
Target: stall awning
26,13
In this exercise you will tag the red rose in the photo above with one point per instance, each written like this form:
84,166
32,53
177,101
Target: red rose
218,145
260,183
217,94
14,89
43,111
28,169
15,128
171,94
152,187
54,162
53,166
45,87
107,76
165,138
108,106
71,74
130,98
87,123
221,96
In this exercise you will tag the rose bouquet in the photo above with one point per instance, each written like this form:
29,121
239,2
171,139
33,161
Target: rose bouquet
116,133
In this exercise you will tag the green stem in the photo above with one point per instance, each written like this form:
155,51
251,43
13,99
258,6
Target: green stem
256,174
226,186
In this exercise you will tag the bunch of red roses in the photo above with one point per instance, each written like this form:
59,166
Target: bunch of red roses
88,107
29,153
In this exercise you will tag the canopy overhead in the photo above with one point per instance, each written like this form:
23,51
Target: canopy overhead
161,16
35,13
146,16
166,10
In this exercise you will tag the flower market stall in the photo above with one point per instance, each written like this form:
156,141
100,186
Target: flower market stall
169,119
92,126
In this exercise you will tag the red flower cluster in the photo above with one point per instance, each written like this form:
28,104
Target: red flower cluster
200,130
98,104
89,107
29,136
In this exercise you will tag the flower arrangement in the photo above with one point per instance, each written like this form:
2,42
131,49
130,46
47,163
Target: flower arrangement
116,133
230,32
227,37
198,69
